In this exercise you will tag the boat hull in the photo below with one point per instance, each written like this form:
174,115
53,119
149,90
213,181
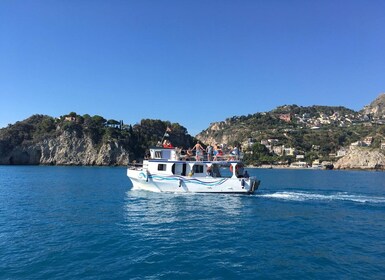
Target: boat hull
141,180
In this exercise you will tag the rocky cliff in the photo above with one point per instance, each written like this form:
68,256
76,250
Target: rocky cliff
361,158
67,148
377,108
84,140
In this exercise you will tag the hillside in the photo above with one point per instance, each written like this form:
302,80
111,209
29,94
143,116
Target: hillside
284,135
290,133
83,140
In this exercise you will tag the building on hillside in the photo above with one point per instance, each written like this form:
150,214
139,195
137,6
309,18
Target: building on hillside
306,116
70,119
315,147
278,150
285,117
382,145
324,119
114,124
299,164
341,152
250,142
357,144
335,116
368,141
288,151
264,142
273,141
315,162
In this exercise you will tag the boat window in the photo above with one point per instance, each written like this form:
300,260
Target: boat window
161,167
198,168
215,171
158,154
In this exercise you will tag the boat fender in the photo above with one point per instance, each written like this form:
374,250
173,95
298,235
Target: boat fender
236,168
180,182
242,183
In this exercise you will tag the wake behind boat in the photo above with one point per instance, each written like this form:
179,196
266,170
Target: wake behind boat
166,170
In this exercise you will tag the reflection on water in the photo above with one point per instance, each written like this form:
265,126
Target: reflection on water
146,212
169,207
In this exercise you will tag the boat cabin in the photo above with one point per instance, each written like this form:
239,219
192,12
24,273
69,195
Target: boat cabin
169,161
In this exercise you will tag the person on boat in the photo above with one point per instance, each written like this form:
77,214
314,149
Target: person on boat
235,152
189,154
209,171
219,153
215,152
246,174
167,144
198,151
178,153
209,152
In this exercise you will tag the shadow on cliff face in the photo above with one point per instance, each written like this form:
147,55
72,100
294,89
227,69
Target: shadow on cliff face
25,157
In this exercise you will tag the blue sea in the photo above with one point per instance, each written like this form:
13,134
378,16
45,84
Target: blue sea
87,223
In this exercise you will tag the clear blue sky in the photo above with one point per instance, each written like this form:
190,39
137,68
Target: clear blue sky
187,61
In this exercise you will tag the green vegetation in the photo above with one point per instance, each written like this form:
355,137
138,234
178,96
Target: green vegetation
317,132
135,139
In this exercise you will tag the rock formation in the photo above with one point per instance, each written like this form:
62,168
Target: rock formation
66,149
377,108
361,158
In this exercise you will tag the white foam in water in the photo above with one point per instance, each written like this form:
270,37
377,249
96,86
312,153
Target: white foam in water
303,196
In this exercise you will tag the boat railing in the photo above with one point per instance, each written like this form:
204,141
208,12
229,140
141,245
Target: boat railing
135,166
205,157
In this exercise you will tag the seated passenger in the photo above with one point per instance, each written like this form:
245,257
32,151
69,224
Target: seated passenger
167,144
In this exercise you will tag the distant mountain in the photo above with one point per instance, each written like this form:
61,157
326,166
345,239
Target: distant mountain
376,109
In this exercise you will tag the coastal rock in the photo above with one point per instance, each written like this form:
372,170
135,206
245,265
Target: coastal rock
67,149
361,158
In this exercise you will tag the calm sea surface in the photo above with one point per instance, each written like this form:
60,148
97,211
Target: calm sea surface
86,223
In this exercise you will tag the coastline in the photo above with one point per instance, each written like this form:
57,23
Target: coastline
268,166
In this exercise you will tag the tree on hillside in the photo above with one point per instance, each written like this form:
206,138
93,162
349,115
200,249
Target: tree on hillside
258,154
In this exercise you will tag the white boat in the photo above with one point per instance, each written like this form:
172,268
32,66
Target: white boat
167,171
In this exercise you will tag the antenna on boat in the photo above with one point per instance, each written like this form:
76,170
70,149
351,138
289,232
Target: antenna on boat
168,129
166,133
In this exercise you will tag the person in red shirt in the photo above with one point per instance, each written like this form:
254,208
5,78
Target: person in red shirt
167,144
